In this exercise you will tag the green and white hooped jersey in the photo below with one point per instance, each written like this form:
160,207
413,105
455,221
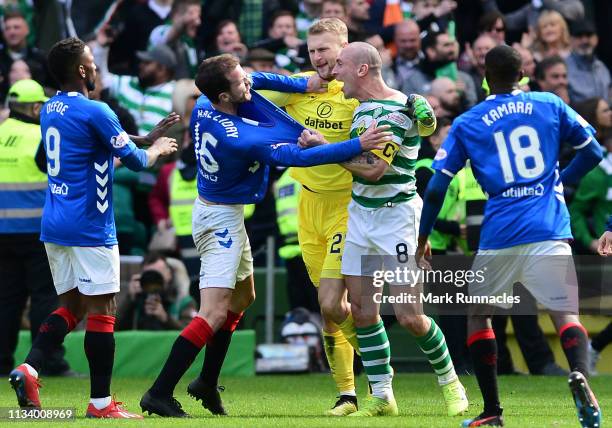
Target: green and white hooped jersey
399,182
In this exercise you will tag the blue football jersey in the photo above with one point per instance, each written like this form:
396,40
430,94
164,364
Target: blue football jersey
81,137
513,142
234,153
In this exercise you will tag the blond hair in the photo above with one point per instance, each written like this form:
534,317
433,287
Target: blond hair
329,25
551,16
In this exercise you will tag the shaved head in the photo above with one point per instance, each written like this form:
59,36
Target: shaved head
363,53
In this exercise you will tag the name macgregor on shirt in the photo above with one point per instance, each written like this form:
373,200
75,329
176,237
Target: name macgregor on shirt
230,129
511,107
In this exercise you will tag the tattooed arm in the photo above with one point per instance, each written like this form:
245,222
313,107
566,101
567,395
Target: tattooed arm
367,165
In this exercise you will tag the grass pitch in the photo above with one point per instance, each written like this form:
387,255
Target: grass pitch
298,401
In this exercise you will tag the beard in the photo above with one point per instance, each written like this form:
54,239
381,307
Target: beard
90,85
146,81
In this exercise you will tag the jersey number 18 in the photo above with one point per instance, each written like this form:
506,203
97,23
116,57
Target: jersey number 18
521,153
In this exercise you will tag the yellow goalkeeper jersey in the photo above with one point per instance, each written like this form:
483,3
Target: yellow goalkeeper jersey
331,114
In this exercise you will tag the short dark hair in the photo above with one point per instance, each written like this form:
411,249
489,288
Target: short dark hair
152,257
488,20
180,5
64,57
431,39
545,64
503,64
211,78
278,14
13,13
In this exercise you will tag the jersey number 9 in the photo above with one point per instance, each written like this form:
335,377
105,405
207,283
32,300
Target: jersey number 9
52,147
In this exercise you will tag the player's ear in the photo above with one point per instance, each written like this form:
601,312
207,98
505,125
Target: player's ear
82,72
224,97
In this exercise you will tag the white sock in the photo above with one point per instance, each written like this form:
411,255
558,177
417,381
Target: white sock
449,377
349,392
31,370
383,389
100,403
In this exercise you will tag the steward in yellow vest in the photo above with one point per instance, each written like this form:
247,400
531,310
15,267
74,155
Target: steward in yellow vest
23,260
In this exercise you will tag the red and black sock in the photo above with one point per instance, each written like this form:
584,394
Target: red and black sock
216,350
50,335
483,349
186,347
574,340
100,352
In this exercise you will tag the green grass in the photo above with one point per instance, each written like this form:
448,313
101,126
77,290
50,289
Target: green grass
298,401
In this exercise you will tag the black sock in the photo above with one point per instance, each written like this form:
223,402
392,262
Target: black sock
186,347
602,340
216,350
574,341
100,352
483,350
50,335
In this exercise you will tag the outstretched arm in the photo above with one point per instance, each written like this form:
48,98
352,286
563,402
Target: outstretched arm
280,83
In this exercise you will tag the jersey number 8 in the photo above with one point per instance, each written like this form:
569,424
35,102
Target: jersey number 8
521,153
52,143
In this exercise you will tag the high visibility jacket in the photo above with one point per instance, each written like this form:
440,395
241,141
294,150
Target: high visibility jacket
286,193
22,185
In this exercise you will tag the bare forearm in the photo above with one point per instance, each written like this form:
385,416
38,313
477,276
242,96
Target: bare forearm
140,140
152,156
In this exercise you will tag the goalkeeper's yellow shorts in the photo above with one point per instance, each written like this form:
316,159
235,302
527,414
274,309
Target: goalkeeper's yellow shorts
322,221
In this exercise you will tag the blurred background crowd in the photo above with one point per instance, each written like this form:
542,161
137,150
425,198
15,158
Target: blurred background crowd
147,52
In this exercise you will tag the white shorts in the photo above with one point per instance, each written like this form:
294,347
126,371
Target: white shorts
546,269
93,270
387,231
222,242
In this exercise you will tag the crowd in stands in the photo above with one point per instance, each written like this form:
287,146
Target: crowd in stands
147,53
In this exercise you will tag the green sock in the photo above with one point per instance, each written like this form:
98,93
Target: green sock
376,356
434,346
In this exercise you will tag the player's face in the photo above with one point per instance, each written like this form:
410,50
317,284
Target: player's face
346,72
323,50
240,86
87,68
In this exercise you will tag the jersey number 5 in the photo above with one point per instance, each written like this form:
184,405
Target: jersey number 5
521,153
52,147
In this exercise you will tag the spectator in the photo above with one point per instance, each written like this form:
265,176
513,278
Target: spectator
23,260
334,9
387,61
526,16
357,14
445,90
228,40
588,76
262,60
551,75
19,70
480,47
433,15
141,18
180,35
283,41
310,11
493,25
15,31
551,36
597,112
434,102
407,40
441,53
157,297
529,66
592,204
147,97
